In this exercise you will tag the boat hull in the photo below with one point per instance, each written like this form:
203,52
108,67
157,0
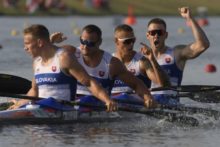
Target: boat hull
34,114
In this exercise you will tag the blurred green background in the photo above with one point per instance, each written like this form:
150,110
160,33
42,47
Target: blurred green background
116,7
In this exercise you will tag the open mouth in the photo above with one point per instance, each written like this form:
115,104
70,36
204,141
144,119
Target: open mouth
156,42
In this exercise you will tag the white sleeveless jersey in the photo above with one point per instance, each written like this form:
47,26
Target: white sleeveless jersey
100,73
168,63
52,82
134,68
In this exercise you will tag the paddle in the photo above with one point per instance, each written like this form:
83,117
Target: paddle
5,105
171,116
181,107
14,84
188,88
18,85
205,97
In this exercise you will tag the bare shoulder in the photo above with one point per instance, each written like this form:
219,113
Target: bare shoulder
179,47
67,57
116,63
116,67
114,60
69,48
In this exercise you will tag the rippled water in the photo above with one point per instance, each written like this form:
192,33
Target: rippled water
137,132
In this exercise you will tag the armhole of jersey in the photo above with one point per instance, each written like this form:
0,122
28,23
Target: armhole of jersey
58,53
108,57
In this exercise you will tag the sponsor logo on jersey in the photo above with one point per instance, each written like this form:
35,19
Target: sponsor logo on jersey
119,82
46,79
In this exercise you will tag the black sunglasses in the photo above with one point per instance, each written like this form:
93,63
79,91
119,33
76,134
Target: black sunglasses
87,42
127,40
158,32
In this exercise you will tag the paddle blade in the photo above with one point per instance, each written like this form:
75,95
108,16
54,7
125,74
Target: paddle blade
188,88
204,97
14,84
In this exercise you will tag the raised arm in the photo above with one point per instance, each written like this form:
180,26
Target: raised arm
201,42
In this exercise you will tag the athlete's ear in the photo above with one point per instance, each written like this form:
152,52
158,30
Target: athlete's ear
100,41
147,35
116,40
166,34
40,42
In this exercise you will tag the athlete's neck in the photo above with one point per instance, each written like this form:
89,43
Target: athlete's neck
125,57
48,52
93,59
159,51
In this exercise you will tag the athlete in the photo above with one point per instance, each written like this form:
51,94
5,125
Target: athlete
102,66
56,70
173,59
147,69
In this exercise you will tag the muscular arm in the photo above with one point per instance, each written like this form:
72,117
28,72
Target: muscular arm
34,90
201,42
155,73
151,68
117,69
71,65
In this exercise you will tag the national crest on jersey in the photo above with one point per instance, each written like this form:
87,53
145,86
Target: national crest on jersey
54,68
100,73
51,80
134,68
168,63
166,59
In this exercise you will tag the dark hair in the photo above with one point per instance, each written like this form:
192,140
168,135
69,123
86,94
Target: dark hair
93,29
38,31
157,21
123,27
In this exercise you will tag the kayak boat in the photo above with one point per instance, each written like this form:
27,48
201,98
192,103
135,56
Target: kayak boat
49,111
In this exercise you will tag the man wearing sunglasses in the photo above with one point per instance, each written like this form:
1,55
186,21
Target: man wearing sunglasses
56,71
147,69
173,59
102,66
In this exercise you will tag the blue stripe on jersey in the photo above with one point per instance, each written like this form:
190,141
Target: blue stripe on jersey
173,71
107,84
57,79
52,78
119,83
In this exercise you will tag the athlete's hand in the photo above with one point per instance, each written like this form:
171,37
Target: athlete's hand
57,37
149,102
146,51
111,106
185,12
17,104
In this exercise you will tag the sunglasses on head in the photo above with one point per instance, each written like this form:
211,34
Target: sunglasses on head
158,32
127,40
87,42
